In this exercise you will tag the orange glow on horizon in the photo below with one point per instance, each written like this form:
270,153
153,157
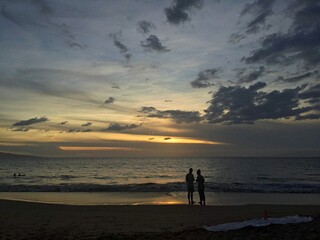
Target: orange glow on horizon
78,148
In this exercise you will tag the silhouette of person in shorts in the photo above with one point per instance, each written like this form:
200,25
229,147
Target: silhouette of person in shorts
200,181
190,187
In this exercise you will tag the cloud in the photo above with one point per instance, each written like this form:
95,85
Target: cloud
40,16
73,130
78,130
204,77
311,95
20,129
252,76
86,124
300,43
120,45
109,100
119,127
123,48
296,78
115,87
258,12
30,121
236,104
52,82
177,115
145,26
152,43
115,37
177,13
167,138
63,123
312,116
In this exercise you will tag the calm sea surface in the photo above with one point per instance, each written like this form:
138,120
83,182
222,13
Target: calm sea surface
269,175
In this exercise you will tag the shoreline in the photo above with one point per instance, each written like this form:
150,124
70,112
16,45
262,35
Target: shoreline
20,220
161,198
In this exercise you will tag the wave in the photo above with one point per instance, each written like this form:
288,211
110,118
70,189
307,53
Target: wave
168,187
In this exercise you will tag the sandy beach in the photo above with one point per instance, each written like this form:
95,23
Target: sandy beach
27,220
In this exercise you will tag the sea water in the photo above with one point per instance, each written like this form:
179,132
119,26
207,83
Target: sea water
161,176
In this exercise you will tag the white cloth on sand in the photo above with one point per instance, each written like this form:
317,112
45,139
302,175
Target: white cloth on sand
257,223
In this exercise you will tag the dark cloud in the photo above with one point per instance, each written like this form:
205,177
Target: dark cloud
30,121
152,43
300,43
73,131
236,104
86,124
78,130
296,78
167,138
109,100
115,86
63,123
123,48
178,12
120,45
311,95
177,115
20,129
258,12
167,100
150,139
312,116
145,26
204,77
119,127
250,77
115,37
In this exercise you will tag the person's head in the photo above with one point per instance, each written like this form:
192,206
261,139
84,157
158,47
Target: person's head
199,172
190,170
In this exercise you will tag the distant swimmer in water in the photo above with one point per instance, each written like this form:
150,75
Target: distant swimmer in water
190,187
14,175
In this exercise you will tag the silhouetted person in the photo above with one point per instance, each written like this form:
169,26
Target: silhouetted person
200,181
190,187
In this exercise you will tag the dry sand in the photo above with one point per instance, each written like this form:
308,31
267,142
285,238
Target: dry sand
26,220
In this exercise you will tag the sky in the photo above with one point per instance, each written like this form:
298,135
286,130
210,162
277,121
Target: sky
149,78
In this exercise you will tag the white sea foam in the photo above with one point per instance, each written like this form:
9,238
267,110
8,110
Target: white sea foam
257,223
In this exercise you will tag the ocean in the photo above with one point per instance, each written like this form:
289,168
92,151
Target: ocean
160,176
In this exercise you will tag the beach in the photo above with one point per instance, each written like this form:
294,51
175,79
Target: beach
29,220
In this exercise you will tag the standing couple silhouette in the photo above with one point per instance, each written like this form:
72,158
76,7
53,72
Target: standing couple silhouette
190,187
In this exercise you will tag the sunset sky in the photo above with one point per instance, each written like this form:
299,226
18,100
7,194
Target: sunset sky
160,78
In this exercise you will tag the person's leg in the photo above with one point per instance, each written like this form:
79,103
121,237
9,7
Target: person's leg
203,198
189,200
192,202
200,197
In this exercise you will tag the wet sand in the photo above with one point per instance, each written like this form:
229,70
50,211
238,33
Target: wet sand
27,220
